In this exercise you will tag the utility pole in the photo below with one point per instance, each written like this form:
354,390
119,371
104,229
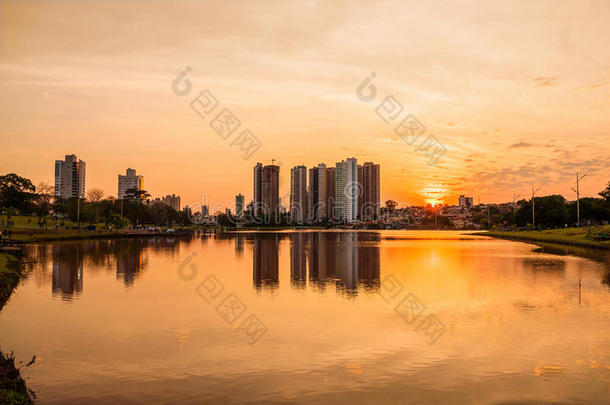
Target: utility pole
533,207
577,190
515,196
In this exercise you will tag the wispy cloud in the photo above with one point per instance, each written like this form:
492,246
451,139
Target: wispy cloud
592,86
546,81
521,145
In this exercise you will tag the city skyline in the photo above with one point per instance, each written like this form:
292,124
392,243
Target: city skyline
508,120
366,177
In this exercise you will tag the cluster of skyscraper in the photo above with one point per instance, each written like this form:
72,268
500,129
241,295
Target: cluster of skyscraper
347,192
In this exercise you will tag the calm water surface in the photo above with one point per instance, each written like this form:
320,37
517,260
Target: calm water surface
313,317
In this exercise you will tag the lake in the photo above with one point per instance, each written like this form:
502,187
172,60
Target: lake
337,317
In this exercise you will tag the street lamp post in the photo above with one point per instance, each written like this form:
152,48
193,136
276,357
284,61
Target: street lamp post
533,207
577,190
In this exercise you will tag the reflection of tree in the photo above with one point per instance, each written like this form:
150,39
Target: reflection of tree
130,261
131,257
265,262
67,270
127,256
598,255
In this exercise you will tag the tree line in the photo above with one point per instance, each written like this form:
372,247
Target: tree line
19,196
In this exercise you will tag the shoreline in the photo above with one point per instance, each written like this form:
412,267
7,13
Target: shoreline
13,388
33,237
548,237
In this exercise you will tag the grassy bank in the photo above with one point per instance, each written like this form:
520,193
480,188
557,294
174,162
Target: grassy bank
567,236
12,387
10,273
50,235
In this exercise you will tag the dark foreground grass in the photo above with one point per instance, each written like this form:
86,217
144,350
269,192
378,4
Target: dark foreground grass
13,389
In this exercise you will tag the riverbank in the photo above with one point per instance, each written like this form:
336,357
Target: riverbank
12,386
54,235
10,273
13,389
583,237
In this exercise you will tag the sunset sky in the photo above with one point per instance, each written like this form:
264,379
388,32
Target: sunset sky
518,92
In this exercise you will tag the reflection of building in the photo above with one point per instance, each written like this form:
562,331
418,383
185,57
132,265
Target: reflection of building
129,266
298,261
369,265
129,181
67,270
351,260
265,261
298,194
346,261
130,257
321,255
239,244
69,178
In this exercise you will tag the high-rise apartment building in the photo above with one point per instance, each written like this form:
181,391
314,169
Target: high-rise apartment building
266,189
312,195
298,194
239,205
465,201
346,189
69,178
329,187
321,192
172,200
258,192
129,181
368,191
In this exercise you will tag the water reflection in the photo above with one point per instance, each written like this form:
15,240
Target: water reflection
298,260
265,262
127,258
350,260
517,317
67,271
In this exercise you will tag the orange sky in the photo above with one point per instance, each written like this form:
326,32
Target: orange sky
518,92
